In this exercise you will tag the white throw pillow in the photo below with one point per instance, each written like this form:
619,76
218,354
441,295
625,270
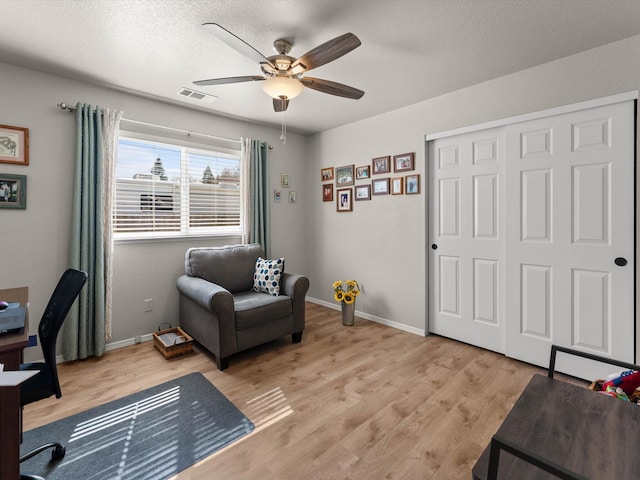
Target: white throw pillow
267,275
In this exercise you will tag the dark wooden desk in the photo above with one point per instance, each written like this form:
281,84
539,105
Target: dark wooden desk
12,344
592,435
10,422
11,347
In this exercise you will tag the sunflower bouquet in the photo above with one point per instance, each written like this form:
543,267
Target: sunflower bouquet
346,292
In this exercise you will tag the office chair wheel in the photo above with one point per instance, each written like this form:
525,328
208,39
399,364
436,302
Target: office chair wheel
58,452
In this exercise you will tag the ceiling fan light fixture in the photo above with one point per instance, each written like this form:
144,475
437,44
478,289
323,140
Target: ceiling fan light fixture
278,87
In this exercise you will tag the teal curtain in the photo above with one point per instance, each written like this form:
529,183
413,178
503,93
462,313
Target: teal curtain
260,222
84,328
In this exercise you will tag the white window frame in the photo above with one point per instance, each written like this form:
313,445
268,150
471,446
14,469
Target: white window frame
219,149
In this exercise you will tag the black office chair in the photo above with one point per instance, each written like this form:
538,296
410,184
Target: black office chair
46,383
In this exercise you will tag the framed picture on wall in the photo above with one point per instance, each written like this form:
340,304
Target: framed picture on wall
381,165
412,184
284,180
344,176
326,174
343,200
363,172
396,185
13,191
14,145
363,192
404,162
327,192
380,186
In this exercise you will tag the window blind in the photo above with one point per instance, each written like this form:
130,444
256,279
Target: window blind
164,189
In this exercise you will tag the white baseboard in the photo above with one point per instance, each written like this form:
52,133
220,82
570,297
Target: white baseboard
115,345
128,342
389,323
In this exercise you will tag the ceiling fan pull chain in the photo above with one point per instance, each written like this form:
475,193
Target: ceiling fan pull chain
283,135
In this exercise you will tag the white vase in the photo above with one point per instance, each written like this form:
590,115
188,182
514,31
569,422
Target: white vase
348,313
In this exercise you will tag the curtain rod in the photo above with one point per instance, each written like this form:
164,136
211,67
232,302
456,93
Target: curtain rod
64,106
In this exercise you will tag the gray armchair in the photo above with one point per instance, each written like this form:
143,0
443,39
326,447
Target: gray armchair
219,309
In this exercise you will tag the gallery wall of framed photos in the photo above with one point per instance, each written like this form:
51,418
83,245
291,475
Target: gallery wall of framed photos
284,183
387,175
14,149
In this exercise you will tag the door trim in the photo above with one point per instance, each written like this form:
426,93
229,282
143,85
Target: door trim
550,112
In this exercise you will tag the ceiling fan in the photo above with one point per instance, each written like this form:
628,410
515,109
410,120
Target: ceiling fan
283,75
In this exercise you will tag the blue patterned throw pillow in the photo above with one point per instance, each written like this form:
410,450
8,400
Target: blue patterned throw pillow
266,278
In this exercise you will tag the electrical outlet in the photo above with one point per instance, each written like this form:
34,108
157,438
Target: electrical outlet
148,304
138,338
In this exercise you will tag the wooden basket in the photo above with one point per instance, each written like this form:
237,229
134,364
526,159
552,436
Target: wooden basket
172,342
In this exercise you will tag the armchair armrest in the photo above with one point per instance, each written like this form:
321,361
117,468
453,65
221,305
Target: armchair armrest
294,285
208,295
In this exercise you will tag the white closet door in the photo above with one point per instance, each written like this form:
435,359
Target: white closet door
533,228
466,235
570,215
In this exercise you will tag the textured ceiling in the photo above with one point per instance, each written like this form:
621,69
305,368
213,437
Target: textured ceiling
412,50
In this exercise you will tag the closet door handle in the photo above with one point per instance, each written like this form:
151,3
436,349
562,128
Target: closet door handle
434,246
620,261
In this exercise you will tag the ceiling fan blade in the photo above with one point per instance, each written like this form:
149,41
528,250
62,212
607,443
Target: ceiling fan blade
280,104
238,44
222,81
332,88
325,53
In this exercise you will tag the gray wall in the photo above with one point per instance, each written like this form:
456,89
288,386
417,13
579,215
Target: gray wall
383,242
34,242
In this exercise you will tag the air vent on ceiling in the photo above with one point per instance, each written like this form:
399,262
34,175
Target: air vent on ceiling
199,96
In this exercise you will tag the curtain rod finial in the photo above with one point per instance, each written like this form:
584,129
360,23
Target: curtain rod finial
64,106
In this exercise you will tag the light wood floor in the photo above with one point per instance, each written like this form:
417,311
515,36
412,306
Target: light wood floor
364,402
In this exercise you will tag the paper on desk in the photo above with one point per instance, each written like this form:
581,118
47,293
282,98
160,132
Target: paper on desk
14,378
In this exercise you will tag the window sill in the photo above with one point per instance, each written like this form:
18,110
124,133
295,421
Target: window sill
174,238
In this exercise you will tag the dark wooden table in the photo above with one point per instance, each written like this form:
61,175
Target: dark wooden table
581,432
11,347
12,344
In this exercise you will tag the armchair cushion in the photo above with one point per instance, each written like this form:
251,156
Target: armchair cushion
253,309
266,278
